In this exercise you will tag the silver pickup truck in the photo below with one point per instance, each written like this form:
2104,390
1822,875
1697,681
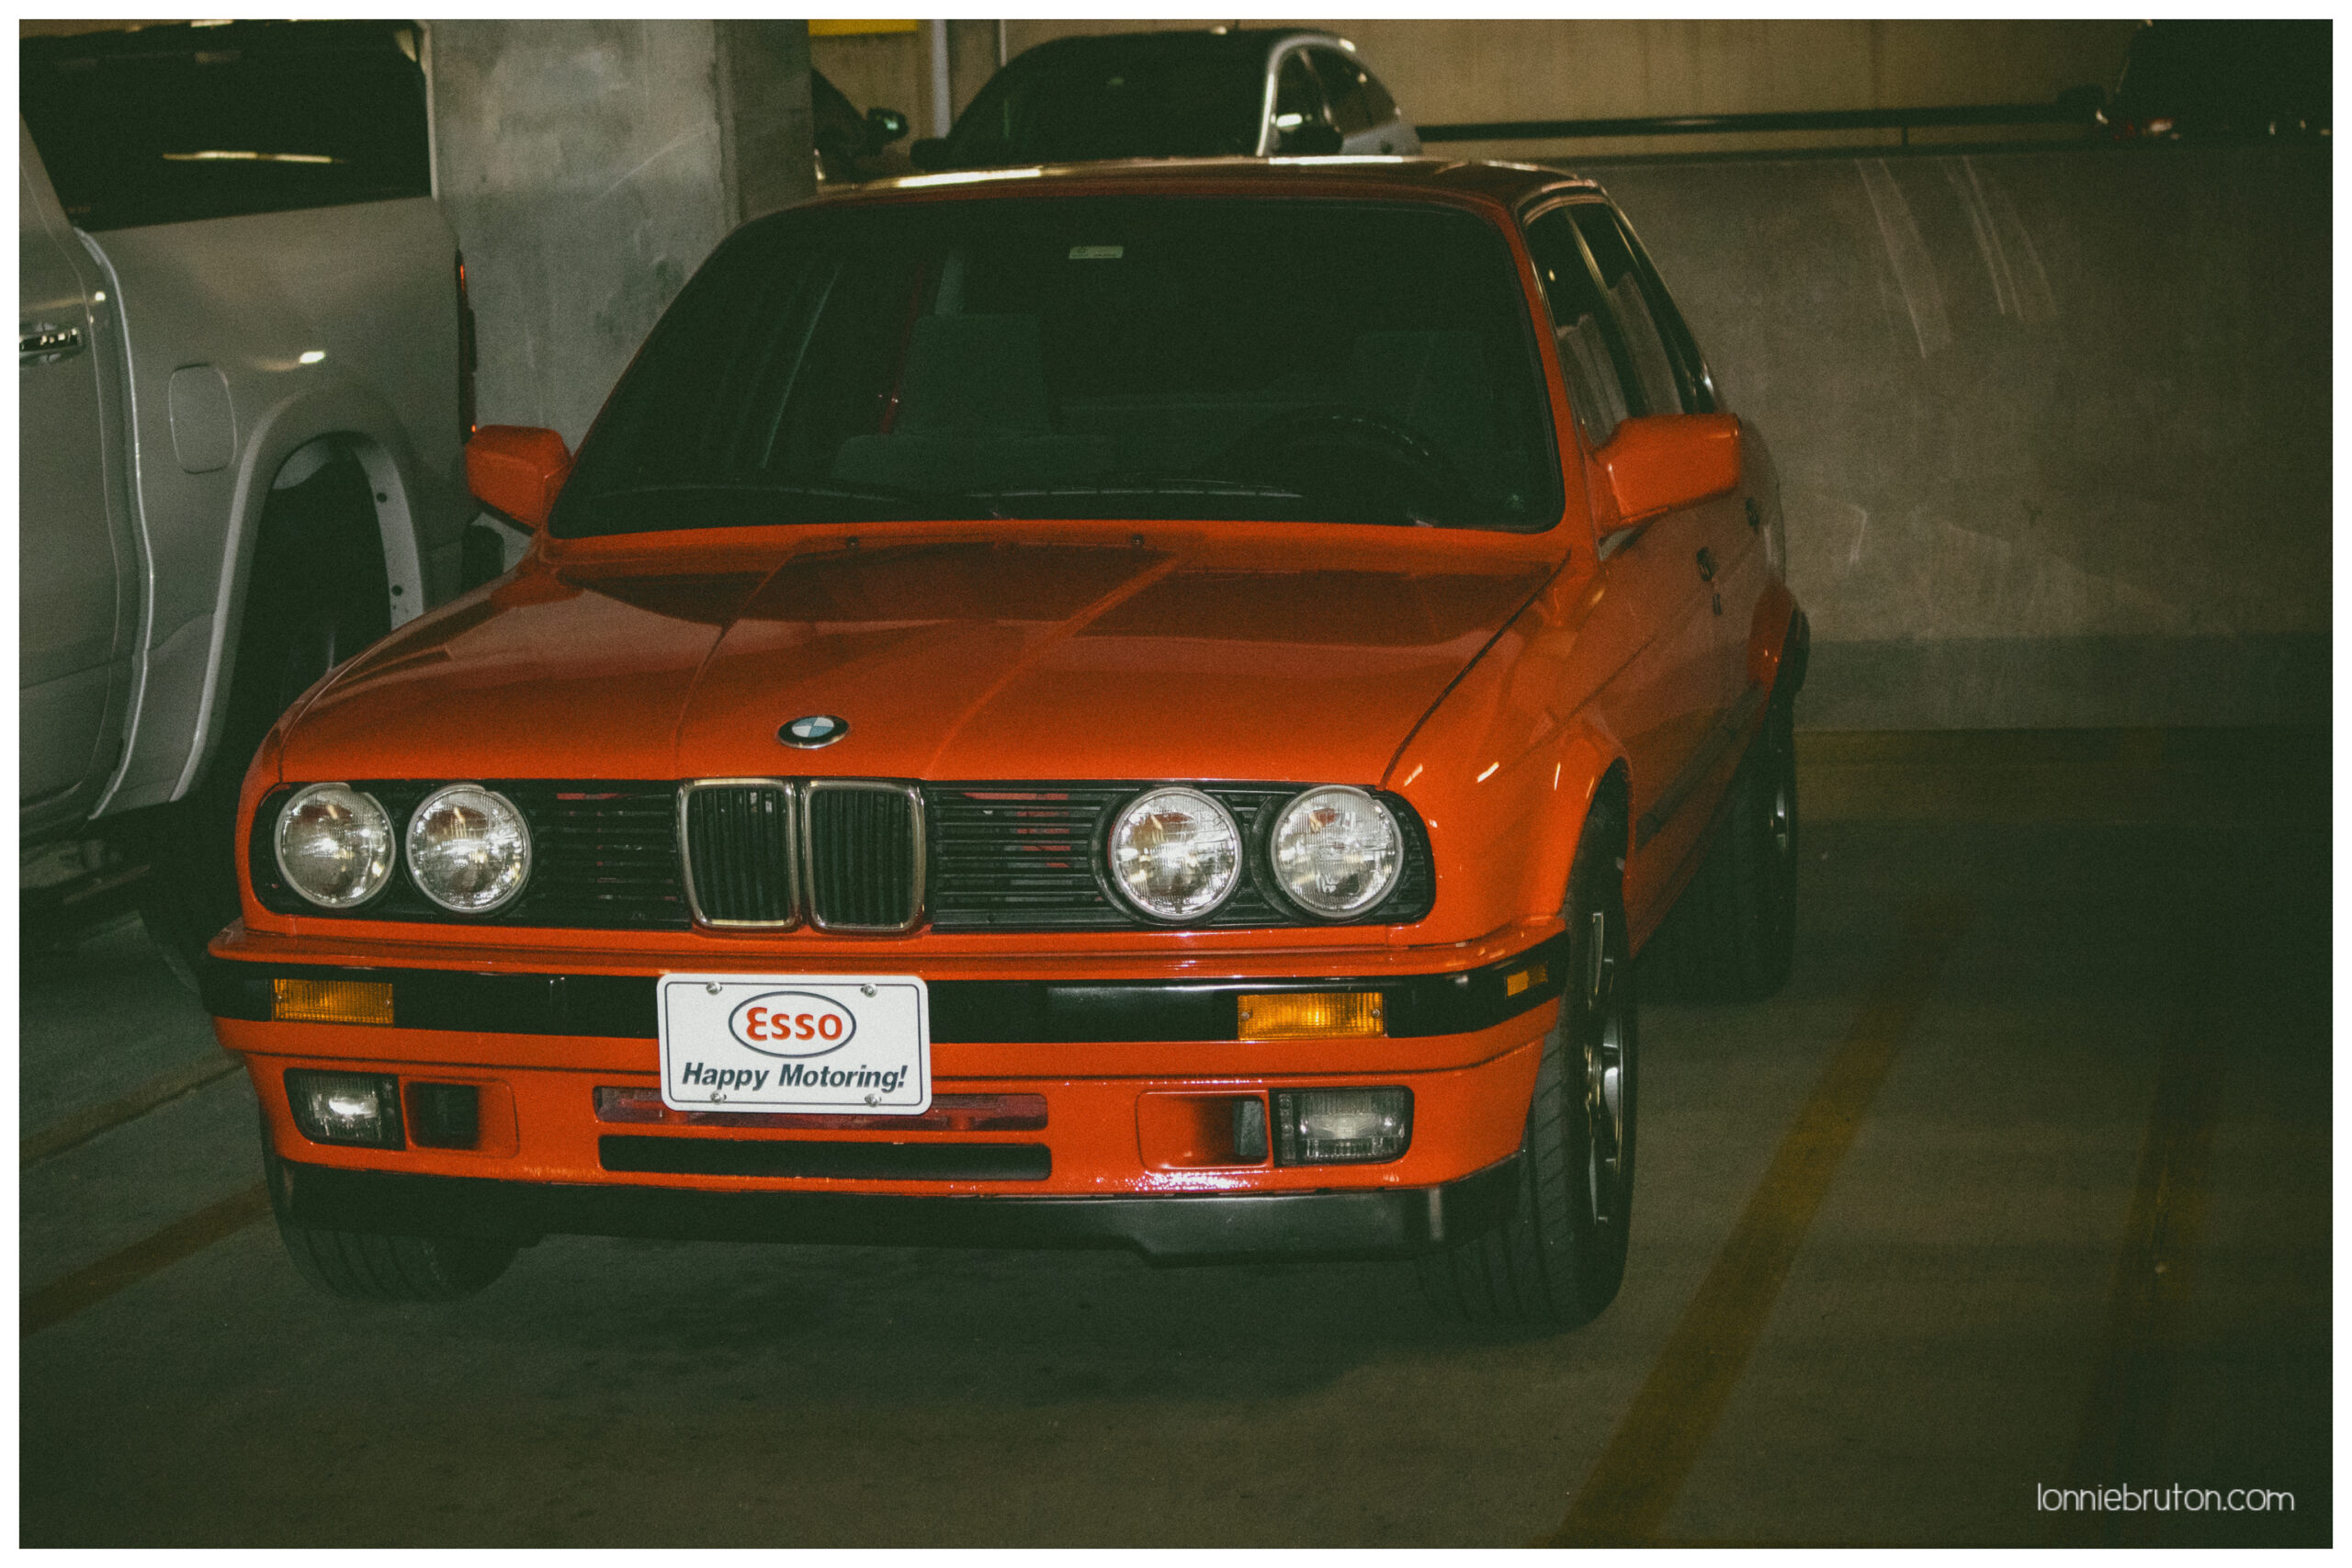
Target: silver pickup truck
245,373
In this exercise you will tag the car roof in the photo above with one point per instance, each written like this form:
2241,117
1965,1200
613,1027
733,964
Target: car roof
1238,42
1504,185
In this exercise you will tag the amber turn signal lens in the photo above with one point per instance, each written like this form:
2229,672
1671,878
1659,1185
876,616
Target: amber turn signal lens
1305,1015
1535,976
331,1001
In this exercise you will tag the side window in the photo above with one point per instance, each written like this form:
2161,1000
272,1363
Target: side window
1376,101
1343,81
1621,281
1601,382
1298,104
1641,297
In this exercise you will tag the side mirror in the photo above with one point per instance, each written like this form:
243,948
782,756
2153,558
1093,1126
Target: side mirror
517,471
929,152
1664,460
882,127
1315,141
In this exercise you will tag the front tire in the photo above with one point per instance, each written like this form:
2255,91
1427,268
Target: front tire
365,1267
1559,1256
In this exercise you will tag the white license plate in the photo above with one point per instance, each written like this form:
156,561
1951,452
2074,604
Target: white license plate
838,1043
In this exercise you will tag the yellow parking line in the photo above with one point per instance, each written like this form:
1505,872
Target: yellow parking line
55,1303
80,1129
2129,1405
1639,1474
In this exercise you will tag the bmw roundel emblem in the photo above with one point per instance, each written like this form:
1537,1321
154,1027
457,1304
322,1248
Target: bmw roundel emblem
817,729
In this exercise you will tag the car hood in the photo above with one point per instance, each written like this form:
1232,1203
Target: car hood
962,659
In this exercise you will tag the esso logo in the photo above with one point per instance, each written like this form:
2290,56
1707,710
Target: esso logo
792,1023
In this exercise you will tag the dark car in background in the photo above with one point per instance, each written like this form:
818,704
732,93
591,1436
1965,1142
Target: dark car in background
1216,93
852,146
2204,80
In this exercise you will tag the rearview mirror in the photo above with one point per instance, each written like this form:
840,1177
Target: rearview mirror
882,127
1661,461
517,471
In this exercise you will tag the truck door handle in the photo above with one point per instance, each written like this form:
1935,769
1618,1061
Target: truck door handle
1706,564
38,343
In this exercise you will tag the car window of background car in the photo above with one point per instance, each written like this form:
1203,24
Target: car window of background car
1602,382
1085,357
1070,107
1298,101
1376,101
170,135
1343,81
1621,281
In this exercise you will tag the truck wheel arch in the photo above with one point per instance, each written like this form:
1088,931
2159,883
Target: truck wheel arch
296,438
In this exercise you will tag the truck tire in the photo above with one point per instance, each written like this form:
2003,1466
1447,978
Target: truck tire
1731,935
1559,1255
319,593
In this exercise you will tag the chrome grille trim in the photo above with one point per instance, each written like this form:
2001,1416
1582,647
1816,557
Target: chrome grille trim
790,855
916,854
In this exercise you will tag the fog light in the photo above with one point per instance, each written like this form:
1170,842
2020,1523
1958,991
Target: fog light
345,1108
1308,1015
1342,1126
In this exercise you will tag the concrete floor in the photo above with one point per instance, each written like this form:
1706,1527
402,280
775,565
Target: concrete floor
2052,1211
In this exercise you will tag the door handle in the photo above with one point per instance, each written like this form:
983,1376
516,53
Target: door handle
38,343
1706,564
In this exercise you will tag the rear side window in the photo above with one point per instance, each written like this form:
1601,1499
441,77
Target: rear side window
1666,360
1602,382
172,124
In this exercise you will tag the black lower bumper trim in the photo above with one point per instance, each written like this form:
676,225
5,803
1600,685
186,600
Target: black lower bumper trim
841,1161
962,1011
1385,1222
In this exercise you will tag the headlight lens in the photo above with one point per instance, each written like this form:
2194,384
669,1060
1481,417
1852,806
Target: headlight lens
1336,851
468,849
1175,854
334,845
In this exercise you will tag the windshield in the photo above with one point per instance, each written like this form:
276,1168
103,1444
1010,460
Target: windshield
1183,95
1084,357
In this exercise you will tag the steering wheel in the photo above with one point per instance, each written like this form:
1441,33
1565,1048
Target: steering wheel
1274,450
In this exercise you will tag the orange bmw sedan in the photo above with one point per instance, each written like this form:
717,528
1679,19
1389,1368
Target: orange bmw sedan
1145,705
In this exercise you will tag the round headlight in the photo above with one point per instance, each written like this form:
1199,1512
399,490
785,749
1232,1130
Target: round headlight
1336,851
1175,854
468,849
334,845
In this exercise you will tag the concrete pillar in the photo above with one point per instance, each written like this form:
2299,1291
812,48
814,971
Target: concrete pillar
768,134
589,167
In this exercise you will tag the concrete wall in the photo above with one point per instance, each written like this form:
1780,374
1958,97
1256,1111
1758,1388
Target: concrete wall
2053,427
588,168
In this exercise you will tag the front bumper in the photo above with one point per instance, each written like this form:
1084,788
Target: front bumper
1097,1061
1385,1222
